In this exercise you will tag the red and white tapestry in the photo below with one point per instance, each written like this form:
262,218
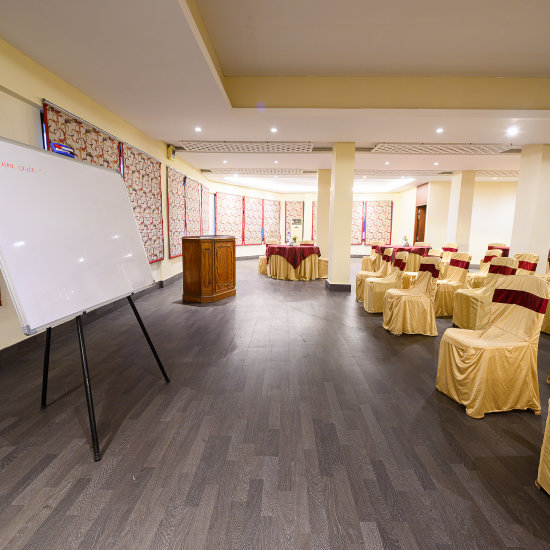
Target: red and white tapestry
175,193
89,143
293,209
205,211
253,220
192,207
272,220
378,221
314,221
357,222
142,178
229,216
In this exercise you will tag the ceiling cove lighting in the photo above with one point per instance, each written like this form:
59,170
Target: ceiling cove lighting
512,131
439,131
274,130
198,129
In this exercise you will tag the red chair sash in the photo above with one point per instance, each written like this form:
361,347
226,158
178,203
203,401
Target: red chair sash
502,270
448,249
505,250
488,259
528,266
386,257
520,298
459,263
431,268
400,264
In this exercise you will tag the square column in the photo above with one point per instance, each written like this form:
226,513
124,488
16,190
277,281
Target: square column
460,209
323,210
531,229
341,203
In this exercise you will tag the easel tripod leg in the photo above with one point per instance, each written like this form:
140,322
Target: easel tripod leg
46,367
88,389
136,313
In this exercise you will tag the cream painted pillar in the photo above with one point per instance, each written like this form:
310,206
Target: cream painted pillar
461,201
531,229
323,210
341,202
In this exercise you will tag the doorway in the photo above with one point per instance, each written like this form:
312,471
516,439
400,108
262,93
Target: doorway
420,223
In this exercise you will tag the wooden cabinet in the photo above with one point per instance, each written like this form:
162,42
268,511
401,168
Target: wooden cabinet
208,268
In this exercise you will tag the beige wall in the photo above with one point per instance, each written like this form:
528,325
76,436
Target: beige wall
437,213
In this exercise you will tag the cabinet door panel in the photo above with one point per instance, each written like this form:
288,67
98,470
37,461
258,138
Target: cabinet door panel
224,265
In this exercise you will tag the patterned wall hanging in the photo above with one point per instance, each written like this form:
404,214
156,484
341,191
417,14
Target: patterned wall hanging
205,211
229,216
314,221
142,178
357,222
378,221
253,220
192,207
90,144
293,209
175,192
272,220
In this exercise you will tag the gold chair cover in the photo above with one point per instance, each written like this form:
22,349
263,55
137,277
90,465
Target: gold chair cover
543,477
472,306
323,268
308,270
262,265
412,311
527,263
373,297
448,250
477,280
421,243
383,271
495,369
455,280
367,262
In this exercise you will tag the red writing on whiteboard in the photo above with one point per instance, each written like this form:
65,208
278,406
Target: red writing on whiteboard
19,167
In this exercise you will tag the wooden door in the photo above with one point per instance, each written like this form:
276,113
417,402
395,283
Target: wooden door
420,223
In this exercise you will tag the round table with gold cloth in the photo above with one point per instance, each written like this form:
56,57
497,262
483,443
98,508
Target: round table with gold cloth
279,268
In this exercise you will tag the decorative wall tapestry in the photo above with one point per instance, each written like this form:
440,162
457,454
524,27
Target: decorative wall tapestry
314,221
89,143
357,222
229,216
142,178
175,192
205,211
272,220
293,209
192,207
253,220
378,221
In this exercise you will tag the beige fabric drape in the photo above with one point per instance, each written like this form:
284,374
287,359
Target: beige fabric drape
495,369
375,288
262,265
531,258
472,306
543,477
279,268
383,271
446,288
412,311
477,280
323,268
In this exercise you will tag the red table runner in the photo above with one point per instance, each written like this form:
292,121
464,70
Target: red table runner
294,255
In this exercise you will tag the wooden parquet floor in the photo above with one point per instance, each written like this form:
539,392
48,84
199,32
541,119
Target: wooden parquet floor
293,420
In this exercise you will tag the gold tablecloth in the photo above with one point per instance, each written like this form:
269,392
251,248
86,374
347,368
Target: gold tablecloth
279,268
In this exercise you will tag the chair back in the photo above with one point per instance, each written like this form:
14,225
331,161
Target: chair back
436,252
428,273
400,261
448,249
308,243
272,242
518,307
500,267
385,267
458,267
422,243
527,263
485,262
496,245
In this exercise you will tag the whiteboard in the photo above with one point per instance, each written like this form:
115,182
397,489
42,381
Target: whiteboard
69,242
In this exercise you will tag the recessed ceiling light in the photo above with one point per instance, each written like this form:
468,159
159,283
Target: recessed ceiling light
275,162
512,131
439,131
387,162
364,177
402,177
494,178
436,163
276,176
274,130
198,129
224,161
235,175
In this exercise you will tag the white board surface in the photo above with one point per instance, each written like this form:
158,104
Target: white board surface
68,238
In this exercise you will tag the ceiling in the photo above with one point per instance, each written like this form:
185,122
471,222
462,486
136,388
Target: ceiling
161,68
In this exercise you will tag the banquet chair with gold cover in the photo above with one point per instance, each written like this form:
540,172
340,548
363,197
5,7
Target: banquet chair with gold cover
307,243
383,271
375,288
477,280
448,250
454,280
527,263
323,267
412,310
262,260
472,306
421,243
368,262
495,369
436,252
543,476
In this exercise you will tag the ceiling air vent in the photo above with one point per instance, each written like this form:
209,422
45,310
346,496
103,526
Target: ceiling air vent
498,173
245,146
255,171
441,148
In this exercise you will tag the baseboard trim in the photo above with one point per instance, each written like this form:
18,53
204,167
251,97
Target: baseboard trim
255,257
334,287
